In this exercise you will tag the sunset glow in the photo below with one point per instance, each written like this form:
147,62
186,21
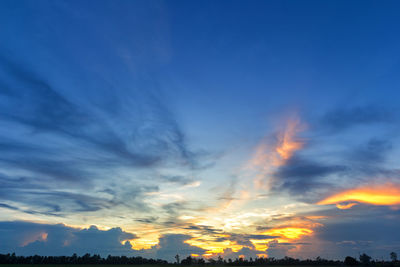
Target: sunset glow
385,195
290,232
213,247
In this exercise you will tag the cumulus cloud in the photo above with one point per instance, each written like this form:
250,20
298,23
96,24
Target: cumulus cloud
27,238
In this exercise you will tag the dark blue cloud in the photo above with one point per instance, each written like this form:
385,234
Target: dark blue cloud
177,179
244,239
41,198
302,177
172,244
280,250
372,152
297,168
36,104
31,238
306,177
358,225
344,118
373,230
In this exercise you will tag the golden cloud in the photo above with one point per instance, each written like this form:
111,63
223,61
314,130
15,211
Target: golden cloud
385,195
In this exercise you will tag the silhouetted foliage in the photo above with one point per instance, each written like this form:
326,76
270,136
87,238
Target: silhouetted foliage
365,259
393,256
187,261
74,259
119,260
350,261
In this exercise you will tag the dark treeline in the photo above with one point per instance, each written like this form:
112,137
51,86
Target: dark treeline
259,261
75,259
364,260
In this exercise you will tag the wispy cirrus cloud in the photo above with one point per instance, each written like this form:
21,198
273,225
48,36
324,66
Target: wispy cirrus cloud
270,155
46,110
62,138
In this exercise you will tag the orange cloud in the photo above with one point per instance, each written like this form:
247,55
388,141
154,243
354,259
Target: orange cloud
385,195
41,236
269,156
288,142
286,233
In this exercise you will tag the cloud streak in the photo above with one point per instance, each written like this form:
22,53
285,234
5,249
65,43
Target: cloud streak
270,156
384,195
60,138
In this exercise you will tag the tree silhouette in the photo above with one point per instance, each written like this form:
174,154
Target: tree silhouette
365,259
393,256
124,260
350,261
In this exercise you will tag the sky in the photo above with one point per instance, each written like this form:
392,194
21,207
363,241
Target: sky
203,128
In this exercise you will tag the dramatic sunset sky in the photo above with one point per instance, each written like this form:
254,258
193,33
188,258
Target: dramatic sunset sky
204,128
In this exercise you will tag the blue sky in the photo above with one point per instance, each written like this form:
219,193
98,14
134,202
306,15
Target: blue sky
262,128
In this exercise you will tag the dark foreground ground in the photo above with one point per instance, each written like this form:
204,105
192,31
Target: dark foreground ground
136,265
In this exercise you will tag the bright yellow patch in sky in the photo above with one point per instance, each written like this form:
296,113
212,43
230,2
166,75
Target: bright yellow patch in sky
386,195
345,206
146,240
213,247
260,244
289,232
